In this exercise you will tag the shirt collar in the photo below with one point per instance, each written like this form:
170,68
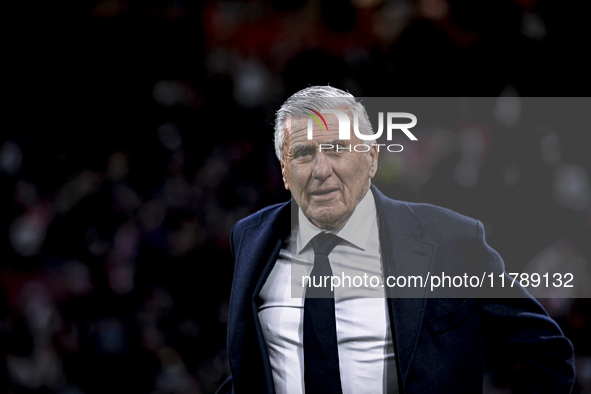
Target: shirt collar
355,231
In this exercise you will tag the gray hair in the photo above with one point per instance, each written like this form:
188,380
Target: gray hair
318,98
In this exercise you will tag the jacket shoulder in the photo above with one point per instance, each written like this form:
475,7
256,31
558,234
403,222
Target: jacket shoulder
434,212
425,220
444,223
257,217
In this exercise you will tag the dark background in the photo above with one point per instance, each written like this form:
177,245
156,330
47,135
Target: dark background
137,133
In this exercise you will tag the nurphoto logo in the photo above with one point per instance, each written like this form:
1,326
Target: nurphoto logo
345,129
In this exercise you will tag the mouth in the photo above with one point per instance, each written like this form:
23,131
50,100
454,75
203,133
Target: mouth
324,193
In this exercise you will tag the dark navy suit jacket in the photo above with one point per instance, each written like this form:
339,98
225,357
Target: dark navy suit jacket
442,345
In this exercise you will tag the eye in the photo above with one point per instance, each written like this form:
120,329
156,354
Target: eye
303,153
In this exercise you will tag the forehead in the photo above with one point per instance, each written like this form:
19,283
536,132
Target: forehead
297,129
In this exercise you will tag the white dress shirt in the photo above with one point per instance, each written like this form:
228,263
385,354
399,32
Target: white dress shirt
366,354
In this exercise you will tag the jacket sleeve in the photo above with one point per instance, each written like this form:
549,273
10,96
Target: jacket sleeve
226,386
519,333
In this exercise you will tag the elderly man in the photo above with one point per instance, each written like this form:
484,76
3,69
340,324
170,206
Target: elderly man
288,337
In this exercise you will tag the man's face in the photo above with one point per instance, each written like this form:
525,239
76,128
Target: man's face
327,184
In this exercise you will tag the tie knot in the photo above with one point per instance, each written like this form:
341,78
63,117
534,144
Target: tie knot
324,243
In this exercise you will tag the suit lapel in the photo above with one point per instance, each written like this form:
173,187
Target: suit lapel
403,254
257,248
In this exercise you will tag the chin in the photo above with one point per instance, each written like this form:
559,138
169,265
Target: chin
325,217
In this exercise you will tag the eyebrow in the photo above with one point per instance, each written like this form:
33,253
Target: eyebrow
300,145
337,142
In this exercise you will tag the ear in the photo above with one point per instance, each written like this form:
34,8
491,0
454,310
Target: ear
285,178
373,154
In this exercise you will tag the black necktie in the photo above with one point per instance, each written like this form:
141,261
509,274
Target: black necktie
321,357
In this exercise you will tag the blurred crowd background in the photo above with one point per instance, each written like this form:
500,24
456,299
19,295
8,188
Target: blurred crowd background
138,132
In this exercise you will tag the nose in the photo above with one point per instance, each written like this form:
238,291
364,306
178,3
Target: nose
323,167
